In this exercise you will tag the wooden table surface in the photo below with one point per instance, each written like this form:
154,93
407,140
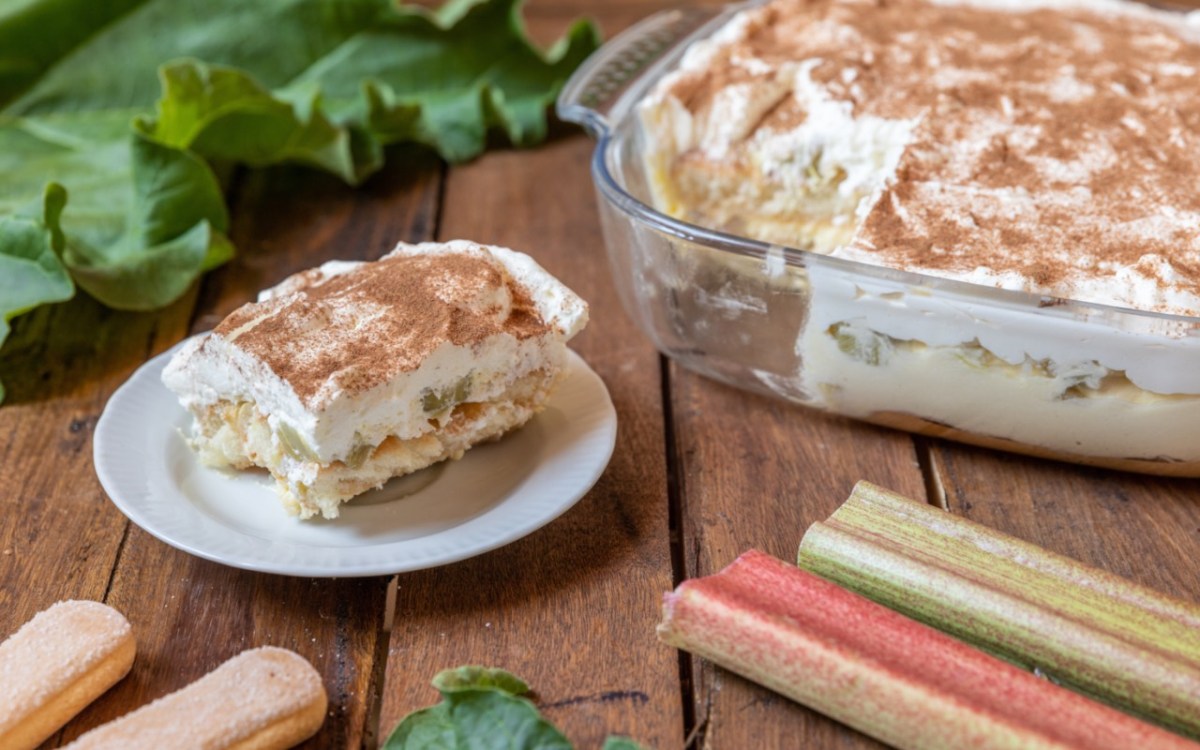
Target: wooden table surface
701,473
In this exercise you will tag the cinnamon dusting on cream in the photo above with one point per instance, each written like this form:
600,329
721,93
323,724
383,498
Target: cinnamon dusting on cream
357,330
1057,144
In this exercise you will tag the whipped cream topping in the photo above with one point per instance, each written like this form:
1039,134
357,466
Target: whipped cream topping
1047,146
345,353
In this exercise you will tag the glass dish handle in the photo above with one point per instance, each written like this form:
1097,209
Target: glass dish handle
590,93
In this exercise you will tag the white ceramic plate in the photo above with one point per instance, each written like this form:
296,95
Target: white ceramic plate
495,494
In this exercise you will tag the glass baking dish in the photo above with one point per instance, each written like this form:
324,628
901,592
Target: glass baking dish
1044,376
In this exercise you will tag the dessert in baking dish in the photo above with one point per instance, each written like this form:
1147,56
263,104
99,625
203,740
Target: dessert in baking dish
1043,146
349,374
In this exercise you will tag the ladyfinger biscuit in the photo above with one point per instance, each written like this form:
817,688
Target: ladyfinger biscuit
262,699
56,664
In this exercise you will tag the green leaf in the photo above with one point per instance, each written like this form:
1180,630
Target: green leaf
172,231
442,79
621,743
446,79
117,65
33,35
495,719
430,728
30,271
223,113
479,678
480,720
480,710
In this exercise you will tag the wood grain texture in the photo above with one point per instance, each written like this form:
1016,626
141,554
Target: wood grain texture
60,536
572,607
753,472
190,615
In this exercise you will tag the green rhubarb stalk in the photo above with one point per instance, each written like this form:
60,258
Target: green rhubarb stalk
1093,631
880,672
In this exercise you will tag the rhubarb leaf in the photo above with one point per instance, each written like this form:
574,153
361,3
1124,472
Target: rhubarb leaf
447,79
171,232
34,35
223,113
30,271
129,105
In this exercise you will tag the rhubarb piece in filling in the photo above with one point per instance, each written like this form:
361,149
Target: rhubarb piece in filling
349,374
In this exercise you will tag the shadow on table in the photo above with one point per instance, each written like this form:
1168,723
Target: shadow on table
76,347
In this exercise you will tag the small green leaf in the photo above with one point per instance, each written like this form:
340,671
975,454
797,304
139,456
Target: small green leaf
430,728
479,678
480,710
496,720
621,743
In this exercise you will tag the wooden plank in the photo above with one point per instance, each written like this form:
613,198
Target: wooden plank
572,607
189,614
550,17
754,472
61,535
1144,528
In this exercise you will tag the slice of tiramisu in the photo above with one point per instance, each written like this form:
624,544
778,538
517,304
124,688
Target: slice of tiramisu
346,375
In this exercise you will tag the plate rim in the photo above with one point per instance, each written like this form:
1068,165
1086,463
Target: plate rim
603,429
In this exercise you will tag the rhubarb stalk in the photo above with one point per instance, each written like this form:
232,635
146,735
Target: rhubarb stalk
1096,632
880,672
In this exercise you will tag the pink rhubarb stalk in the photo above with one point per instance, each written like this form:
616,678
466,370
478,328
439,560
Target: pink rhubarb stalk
878,671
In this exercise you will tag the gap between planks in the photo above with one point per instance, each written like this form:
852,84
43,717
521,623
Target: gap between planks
935,488
693,731
373,732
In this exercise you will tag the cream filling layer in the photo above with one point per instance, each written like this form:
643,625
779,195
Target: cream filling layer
1085,411
239,436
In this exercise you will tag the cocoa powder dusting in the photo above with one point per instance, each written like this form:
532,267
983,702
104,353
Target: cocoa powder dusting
1047,140
360,329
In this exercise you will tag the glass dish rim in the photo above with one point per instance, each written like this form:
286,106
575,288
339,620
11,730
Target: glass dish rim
605,131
